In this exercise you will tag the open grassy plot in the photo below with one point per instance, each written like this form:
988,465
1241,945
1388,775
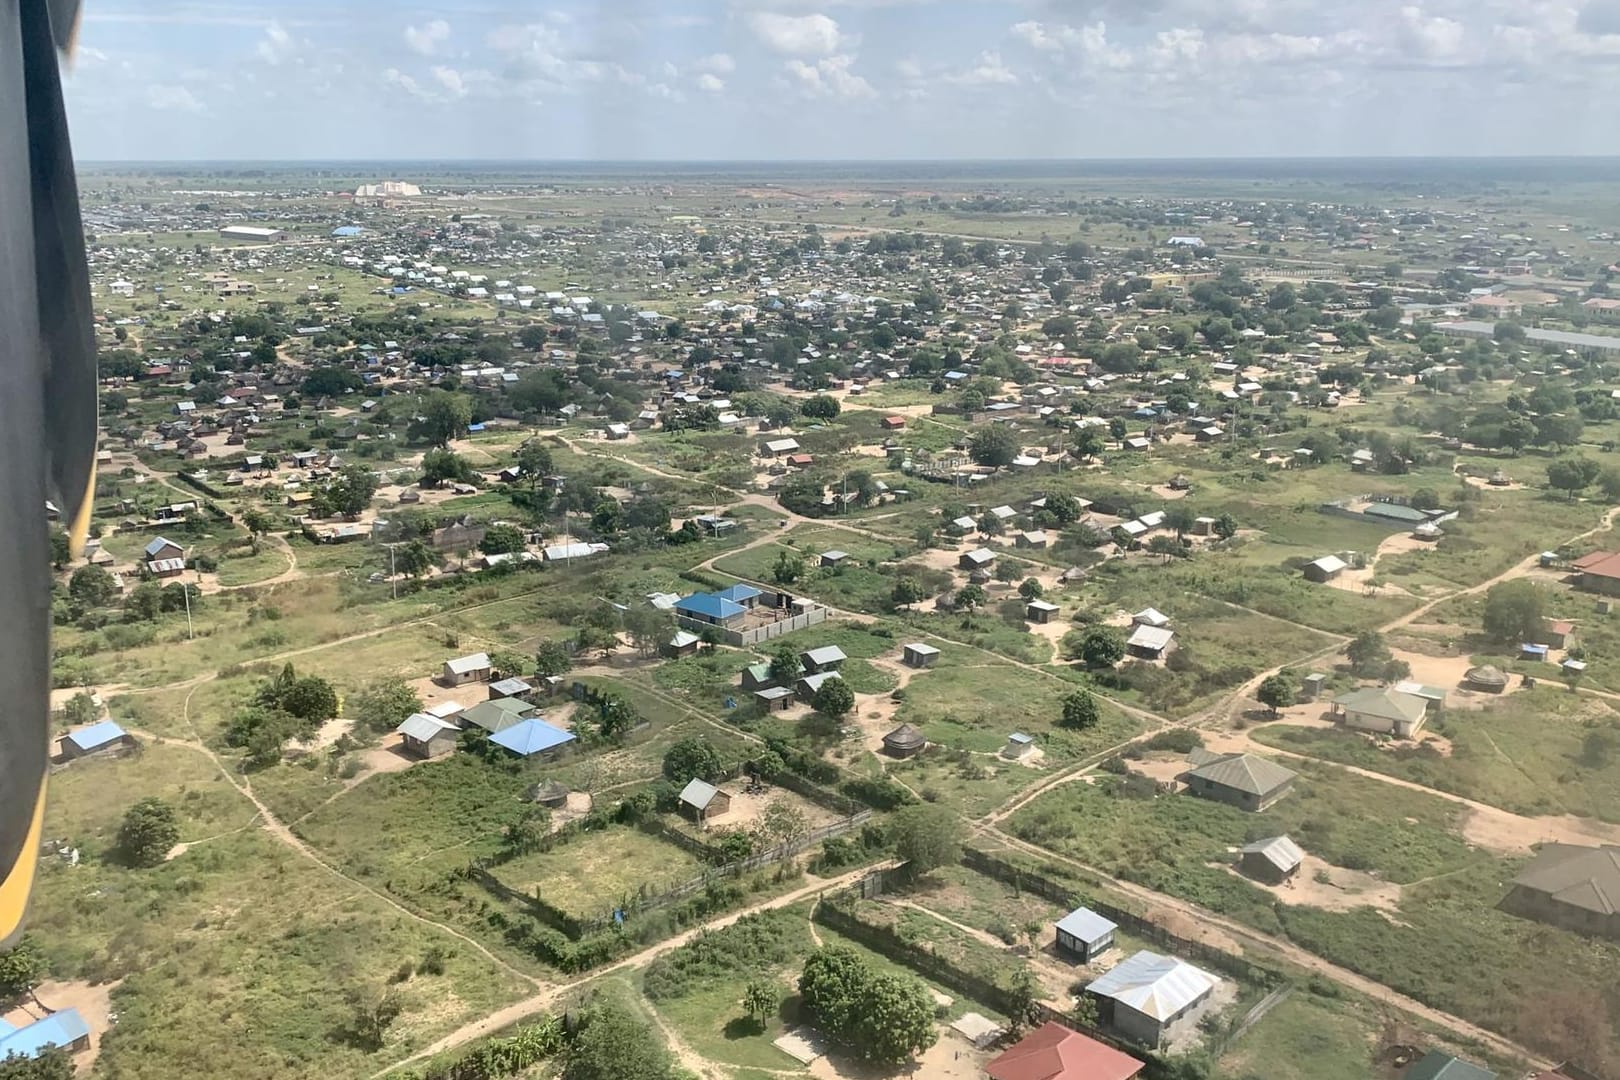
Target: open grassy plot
1542,751
589,875
83,814
1305,1038
242,567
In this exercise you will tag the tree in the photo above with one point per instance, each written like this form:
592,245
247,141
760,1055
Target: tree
994,446
414,559
831,987
1571,474
552,658
1367,653
371,1015
51,1064
1089,441
821,407
1031,589
22,968
926,836
1276,692
60,551
1080,711
1608,482
785,665
1226,526
782,822
257,522
1102,646
148,833
648,627
1515,611
350,491
1180,520
502,539
81,709
1024,999
1117,427
833,698
330,381
788,567
383,704
534,458
444,416
969,597
309,698
615,1044
896,1019
906,592
532,336
1167,546
760,999
440,466
92,586
693,758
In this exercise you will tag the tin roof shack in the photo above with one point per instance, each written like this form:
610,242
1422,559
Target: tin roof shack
1147,995
1084,934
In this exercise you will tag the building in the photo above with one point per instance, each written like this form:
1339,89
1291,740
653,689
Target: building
833,559
1018,745
497,715
1274,860
1486,678
977,559
466,669
893,423
252,234
65,1030
708,609
164,558
779,447
682,643
825,658
1478,328
774,698
1147,995
1439,1065
100,738
757,677
703,801
1570,886
1150,642
1326,568
1382,710
1245,781
428,736
533,736
1150,616
1084,934
513,687
919,655
807,685
1054,1052
1039,611
1559,633
904,741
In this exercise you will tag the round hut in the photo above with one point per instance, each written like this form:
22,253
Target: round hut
552,794
1428,530
903,742
1487,678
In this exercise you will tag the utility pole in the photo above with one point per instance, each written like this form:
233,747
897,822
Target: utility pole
185,591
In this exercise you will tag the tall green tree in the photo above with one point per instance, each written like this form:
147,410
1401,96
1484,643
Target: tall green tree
1276,692
693,758
1080,711
1516,611
383,704
926,836
148,832
994,446
833,698
615,1044
444,416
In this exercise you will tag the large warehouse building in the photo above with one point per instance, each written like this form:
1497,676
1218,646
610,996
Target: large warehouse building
252,234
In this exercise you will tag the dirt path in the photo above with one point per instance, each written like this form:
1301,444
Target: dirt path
531,1006
289,574
1293,954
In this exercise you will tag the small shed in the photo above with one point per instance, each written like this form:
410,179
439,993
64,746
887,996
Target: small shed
1034,540
702,801
1274,860
1487,678
1531,650
1312,688
919,655
513,687
1018,745
977,559
428,736
904,741
774,698
466,669
1039,611
1150,642
1326,568
1560,633
833,559
682,643
825,658
1428,530
1150,616
1084,934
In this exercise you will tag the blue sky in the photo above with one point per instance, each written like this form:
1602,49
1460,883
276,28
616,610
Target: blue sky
818,79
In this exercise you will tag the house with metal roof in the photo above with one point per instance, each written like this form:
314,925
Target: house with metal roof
823,658
977,559
1383,710
1084,934
740,593
703,801
709,609
1326,568
1439,1065
919,655
1245,781
466,669
497,714
428,736
95,739
1055,1052
1570,886
1274,860
1150,616
510,687
65,1030
807,685
1150,642
1145,996
532,736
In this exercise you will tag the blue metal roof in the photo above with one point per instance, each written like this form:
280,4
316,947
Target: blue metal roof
709,605
531,736
347,230
58,1029
738,593
88,738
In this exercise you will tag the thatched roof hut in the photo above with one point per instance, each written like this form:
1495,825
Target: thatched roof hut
903,741
1486,677
550,793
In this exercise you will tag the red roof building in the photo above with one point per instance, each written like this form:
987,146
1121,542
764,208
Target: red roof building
1054,1052
894,423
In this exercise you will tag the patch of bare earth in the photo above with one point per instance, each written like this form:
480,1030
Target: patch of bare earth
1333,888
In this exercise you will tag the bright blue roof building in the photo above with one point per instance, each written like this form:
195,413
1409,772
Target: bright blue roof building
532,736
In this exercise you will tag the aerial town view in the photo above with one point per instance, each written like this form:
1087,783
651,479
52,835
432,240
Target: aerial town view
1017,619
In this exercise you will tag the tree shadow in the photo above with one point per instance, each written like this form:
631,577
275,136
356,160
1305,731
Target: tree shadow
743,1027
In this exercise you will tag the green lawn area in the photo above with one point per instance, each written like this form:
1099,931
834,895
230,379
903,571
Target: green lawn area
590,874
1535,752
1305,1038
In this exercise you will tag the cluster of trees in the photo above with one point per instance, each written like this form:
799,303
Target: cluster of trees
882,1017
148,833
285,707
1370,658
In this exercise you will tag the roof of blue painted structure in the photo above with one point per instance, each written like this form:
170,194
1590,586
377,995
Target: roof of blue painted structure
58,1029
531,737
88,738
711,605
738,593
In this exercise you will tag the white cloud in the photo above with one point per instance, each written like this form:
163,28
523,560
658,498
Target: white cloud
1431,37
172,99
710,82
797,35
427,39
276,45
988,70
715,63
830,77
401,81
451,80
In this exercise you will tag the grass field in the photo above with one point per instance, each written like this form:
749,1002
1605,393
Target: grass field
1304,1038
590,875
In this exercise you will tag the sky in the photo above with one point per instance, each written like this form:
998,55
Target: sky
756,80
